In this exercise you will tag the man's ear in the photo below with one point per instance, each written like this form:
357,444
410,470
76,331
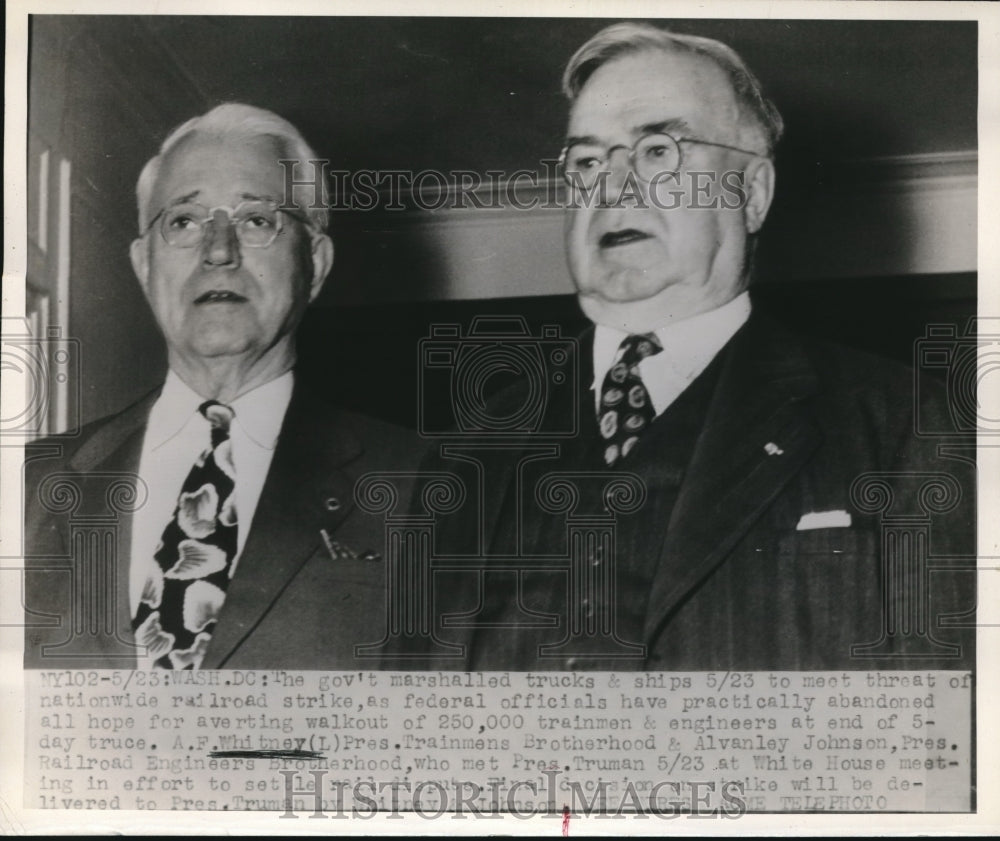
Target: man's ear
759,191
138,252
322,259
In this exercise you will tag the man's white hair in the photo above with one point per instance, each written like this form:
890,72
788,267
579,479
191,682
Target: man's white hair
621,39
238,123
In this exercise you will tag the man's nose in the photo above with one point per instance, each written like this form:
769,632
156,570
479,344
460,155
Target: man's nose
220,246
619,162
622,179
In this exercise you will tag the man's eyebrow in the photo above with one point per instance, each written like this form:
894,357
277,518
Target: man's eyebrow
573,139
184,199
243,197
670,126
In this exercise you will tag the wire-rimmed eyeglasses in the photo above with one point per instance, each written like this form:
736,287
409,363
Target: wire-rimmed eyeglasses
652,156
257,222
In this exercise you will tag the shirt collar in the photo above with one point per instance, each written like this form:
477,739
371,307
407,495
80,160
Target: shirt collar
259,413
688,345
173,410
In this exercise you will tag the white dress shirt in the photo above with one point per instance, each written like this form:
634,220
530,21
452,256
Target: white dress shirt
177,433
688,346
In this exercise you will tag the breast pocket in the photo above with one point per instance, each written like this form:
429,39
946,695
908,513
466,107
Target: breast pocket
830,590
833,573
818,545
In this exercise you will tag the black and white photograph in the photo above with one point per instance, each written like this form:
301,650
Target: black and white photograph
530,420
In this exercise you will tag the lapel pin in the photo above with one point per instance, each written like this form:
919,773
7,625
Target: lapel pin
338,551
341,552
773,449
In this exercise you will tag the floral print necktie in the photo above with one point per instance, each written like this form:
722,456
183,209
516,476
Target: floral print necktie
185,588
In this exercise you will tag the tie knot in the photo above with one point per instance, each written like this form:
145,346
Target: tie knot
635,348
219,415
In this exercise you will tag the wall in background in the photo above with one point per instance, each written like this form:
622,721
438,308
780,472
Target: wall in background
897,216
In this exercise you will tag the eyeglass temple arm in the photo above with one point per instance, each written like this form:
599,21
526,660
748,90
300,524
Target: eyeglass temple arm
719,146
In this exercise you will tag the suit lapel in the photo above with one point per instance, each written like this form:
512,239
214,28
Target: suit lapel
106,447
115,449
307,490
732,478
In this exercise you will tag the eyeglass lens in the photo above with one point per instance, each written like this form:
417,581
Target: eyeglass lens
256,224
653,155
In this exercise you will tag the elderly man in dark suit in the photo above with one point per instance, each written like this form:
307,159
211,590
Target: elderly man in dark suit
236,539
783,513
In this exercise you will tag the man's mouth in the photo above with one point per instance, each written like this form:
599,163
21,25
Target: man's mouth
220,296
612,239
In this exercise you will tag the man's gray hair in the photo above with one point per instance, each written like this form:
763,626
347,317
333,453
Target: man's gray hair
622,39
238,123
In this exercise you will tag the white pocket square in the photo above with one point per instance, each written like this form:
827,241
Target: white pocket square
824,520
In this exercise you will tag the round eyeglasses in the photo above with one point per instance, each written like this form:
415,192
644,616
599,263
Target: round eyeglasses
652,156
257,223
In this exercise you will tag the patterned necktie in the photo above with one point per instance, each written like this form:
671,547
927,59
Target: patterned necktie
626,409
185,589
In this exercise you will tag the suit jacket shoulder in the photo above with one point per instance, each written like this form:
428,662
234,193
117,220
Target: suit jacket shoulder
773,555
79,494
309,585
